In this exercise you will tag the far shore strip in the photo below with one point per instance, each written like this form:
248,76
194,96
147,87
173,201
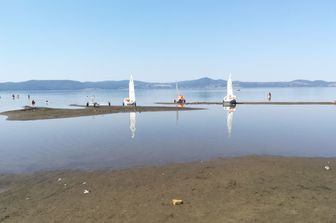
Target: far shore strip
38,113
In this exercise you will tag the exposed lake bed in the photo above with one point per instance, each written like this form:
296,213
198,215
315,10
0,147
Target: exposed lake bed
246,189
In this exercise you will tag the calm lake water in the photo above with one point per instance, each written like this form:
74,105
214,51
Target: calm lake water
126,140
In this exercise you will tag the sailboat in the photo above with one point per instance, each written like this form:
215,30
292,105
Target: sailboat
131,94
179,98
230,98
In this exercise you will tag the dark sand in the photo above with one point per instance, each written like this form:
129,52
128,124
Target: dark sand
38,113
246,189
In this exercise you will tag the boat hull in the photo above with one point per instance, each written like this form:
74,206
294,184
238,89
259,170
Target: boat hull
129,103
230,102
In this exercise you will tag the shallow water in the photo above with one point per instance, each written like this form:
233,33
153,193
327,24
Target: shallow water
125,140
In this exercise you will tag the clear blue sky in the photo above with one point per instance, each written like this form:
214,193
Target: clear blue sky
167,40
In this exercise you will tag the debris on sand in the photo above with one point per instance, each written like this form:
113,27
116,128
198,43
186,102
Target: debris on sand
59,179
327,167
86,192
84,183
177,202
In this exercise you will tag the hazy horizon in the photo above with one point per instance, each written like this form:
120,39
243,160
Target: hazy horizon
167,41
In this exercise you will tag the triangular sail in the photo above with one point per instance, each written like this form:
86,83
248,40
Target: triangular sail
131,90
229,98
177,91
229,87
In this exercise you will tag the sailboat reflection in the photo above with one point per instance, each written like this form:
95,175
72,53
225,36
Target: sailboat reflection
133,123
177,112
230,110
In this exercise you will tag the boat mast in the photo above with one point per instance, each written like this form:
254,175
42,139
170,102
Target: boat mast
131,90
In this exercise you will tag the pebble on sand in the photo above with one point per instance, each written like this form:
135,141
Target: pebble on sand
177,202
327,167
86,191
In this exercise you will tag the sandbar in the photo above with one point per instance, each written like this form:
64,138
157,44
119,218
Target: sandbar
39,113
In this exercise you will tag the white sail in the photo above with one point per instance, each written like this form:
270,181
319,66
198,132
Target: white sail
131,90
230,97
177,91
132,123
229,87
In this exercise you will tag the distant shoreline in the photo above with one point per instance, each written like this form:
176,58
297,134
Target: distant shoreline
202,83
40,113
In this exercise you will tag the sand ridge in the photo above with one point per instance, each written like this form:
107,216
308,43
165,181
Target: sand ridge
38,113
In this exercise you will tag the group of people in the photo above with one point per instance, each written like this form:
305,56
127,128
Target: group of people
17,96
93,101
33,102
95,104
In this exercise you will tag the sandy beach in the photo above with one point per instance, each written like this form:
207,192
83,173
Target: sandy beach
245,189
38,113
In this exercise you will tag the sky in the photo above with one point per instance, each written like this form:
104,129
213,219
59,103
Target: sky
167,40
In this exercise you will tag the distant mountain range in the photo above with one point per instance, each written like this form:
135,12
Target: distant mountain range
203,83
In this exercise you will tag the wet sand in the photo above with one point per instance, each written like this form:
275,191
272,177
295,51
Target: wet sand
38,113
245,189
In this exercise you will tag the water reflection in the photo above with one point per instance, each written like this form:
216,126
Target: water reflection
132,123
108,142
177,112
230,110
